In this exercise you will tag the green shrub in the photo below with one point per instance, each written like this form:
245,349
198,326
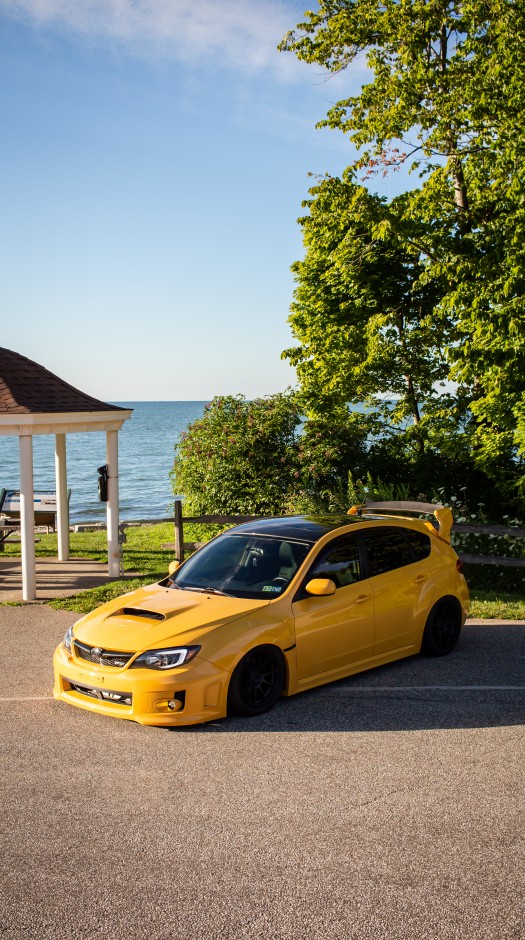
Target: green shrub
240,457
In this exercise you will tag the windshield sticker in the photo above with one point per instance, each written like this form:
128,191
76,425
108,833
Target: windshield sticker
274,588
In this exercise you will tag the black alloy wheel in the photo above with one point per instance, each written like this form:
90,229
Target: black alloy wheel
442,629
257,681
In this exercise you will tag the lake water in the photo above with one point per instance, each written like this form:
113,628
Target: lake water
146,452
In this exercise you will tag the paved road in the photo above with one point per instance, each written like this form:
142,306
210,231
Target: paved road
386,806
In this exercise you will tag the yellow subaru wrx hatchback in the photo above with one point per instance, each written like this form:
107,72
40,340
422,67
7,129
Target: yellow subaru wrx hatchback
268,608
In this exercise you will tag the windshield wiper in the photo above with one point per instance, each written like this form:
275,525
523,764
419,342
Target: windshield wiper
206,590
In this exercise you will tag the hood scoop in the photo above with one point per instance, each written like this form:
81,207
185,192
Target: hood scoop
140,612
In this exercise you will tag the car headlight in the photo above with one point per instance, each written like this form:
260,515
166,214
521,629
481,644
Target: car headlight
165,659
68,639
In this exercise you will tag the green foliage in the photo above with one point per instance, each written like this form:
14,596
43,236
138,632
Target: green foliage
445,72
329,446
260,458
241,457
446,95
366,317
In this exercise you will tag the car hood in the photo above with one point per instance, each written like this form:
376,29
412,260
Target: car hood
155,616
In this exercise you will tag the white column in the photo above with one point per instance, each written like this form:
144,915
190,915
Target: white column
62,504
112,504
27,517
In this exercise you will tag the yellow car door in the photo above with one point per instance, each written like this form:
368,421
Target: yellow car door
334,631
399,572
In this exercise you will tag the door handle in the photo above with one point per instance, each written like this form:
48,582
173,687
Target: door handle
361,598
420,578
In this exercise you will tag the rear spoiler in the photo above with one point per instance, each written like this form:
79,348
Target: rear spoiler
442,514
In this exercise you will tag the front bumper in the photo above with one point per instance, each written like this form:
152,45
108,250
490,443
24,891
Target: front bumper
197,692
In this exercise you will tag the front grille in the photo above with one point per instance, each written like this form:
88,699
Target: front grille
93,654
102,695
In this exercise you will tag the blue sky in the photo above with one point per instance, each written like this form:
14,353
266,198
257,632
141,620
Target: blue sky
154,157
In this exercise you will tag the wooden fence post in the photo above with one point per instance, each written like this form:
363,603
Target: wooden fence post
179,534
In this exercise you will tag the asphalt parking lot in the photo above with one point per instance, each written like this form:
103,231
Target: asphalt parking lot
390,805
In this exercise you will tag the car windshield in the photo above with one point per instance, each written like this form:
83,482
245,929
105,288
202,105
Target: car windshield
253,566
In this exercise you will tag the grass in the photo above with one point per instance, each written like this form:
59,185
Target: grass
145,558
496,605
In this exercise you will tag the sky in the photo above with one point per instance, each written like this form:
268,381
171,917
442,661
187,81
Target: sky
154,158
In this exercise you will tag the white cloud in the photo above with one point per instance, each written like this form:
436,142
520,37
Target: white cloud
236,33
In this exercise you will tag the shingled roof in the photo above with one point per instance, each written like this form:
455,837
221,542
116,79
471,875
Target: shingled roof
27,388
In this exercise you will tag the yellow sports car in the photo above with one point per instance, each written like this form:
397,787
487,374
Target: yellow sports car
268,608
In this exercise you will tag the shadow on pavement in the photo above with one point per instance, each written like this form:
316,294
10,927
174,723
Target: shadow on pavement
484,676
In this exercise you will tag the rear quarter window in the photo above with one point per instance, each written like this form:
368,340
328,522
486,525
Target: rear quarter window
419,544
386,550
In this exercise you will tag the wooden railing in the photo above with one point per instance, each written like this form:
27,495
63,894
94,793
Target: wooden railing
498,530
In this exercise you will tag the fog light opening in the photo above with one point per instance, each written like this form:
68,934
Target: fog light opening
169,704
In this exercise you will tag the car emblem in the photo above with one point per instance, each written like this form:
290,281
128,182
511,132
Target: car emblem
96,653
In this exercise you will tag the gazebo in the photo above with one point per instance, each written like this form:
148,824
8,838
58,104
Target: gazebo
34,401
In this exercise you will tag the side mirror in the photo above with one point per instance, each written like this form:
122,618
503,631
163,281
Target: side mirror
321,587
172,567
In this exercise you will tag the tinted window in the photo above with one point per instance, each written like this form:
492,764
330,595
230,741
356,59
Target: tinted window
340,563
419,543
386,549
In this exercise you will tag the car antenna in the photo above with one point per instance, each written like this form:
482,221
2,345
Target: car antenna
363,504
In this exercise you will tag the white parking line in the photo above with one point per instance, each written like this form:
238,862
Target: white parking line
429,688
346,690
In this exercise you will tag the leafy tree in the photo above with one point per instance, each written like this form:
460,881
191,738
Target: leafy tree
366,319
446,94
240,457
441,72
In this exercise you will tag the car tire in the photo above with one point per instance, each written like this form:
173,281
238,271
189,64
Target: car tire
257,681
443,628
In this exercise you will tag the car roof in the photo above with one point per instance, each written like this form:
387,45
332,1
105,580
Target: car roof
301,528
311,528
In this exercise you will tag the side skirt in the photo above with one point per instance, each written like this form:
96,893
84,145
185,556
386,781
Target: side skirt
352,668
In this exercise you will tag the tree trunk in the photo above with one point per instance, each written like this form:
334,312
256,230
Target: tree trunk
454,162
